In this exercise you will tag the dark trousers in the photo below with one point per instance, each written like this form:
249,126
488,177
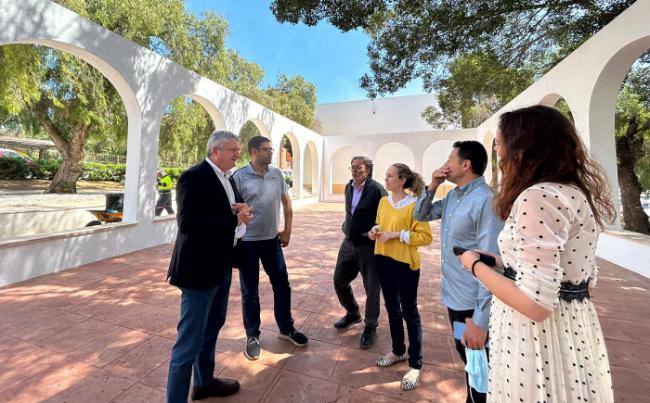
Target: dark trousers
399,284
270,253
351,261
164,202
460,316
202,314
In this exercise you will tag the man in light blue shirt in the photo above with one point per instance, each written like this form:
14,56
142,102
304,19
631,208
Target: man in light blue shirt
468,221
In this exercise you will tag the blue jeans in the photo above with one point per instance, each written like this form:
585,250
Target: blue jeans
270,253
203,313
399,284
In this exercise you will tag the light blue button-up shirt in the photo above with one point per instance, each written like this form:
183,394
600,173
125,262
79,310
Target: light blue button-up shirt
466,220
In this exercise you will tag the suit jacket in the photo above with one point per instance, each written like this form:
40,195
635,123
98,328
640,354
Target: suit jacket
365,215
203,253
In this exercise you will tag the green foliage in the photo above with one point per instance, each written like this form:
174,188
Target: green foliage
92,171
184,132
477,86
411,39
174,172
633,119
13,168
45,168
288,180
293,97
247,132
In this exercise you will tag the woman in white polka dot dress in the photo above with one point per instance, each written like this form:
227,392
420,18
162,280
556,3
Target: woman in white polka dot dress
546,341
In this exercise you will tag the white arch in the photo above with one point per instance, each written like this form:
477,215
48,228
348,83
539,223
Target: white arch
131,106
261,126
296,173
488,143
389,154
339,164
602,109
311,172
433,158
211,108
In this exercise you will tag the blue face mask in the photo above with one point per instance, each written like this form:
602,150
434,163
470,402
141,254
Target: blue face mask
477,369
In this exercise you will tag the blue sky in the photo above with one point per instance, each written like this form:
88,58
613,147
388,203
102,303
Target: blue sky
332,60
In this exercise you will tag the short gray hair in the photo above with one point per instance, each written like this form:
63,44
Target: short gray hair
218,138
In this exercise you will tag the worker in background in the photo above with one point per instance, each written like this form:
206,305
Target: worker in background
164,201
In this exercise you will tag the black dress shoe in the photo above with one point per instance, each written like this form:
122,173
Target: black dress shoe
368,337
221,387
346,321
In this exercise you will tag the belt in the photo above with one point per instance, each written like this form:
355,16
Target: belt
568,290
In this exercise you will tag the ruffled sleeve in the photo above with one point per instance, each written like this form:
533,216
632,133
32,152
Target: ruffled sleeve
542,222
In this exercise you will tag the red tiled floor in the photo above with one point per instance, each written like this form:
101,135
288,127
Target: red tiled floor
143,359
103,332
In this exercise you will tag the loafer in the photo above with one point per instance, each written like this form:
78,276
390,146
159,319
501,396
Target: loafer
347,321
221,387
368,337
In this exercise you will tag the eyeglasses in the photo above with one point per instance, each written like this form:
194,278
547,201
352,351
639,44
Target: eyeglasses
267,149
356,168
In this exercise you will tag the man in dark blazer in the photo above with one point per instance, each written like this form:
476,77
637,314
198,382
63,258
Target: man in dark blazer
356,253
210,218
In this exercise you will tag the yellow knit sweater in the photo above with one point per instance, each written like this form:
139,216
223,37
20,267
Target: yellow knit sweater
391,219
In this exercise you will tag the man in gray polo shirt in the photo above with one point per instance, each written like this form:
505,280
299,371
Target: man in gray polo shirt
263,188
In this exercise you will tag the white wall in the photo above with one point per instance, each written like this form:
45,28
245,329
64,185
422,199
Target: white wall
383,115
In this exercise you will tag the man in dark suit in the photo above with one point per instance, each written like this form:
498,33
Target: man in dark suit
210,219
356,254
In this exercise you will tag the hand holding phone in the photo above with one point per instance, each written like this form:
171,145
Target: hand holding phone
487,259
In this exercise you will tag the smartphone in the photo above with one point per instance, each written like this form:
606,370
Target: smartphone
487,259
459,330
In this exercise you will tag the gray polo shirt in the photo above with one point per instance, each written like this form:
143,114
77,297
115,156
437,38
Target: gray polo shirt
263,194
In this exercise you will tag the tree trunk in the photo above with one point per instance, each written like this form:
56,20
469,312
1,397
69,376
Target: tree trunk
634,218
71,148
65,179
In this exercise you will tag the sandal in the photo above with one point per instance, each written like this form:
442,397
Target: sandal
390,359
411,379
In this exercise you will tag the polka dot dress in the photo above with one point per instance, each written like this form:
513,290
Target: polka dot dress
549,238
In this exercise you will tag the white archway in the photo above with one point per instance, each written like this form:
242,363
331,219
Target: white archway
492,171
289,163
389,154
311,174
602,110
434,157
339,167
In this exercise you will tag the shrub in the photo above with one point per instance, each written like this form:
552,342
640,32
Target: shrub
174,172
13,168
93,171
45,169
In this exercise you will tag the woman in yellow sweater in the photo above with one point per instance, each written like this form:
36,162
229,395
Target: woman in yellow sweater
398,263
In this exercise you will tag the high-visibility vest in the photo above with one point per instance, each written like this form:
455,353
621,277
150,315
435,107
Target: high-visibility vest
165,184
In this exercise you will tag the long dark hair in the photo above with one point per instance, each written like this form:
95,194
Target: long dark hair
414,181
541,145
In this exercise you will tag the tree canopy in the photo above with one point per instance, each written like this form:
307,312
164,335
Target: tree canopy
420,38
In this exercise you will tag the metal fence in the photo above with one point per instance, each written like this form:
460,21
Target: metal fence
121,159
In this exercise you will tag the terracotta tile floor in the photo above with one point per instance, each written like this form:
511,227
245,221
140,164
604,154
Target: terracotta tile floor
103,332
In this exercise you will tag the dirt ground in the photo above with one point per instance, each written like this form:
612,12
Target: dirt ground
40,184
